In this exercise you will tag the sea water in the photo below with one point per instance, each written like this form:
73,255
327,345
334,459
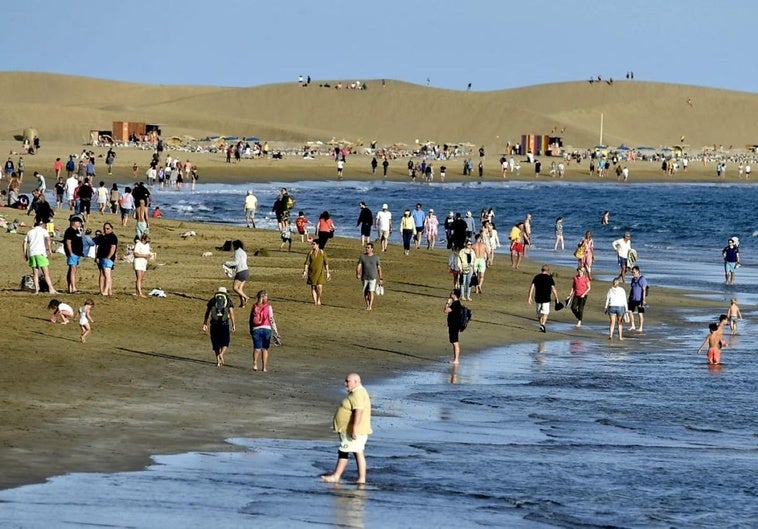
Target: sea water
576,432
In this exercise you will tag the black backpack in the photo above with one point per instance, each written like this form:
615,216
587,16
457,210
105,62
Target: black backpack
465,318
220,309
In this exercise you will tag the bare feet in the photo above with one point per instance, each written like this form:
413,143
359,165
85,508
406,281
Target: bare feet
330,478
255,368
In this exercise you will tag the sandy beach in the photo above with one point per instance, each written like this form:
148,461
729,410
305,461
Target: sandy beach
146,381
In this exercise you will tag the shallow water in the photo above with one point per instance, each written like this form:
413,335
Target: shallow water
571,433
577,432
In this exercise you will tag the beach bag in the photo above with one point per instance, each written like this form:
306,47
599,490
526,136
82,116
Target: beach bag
579,252
474,281
220,309
330,233
465,318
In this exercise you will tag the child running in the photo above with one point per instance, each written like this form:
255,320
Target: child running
85,318
734,314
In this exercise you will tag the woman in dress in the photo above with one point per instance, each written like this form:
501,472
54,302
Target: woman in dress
325,229
316,271
431,225
241,271
141,254
589,254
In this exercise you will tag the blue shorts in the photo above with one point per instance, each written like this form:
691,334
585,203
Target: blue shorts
623,261
72,260
261,338
618,310
104,264
730,267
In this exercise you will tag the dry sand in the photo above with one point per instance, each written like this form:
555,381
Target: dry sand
146,381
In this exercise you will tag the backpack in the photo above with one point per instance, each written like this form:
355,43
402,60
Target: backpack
220,309
70,166
259,315
465,318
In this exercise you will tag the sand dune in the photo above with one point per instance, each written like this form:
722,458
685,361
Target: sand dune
65,108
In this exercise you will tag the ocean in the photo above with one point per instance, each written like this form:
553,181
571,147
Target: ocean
576,432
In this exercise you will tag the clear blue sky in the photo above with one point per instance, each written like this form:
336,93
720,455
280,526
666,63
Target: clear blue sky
493,44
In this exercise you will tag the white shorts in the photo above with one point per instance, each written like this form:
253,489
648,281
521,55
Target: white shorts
369,285
350,445
543,309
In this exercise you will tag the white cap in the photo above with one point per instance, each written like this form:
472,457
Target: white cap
385,206
222,289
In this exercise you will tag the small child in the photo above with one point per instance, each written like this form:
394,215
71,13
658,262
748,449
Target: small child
734,314
286,236
714,344
302,226
85,318
63,310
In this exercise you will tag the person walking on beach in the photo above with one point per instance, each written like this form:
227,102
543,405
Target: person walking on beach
36,247
481,252
615,307
731,255
637,298
261,326
316,271
105,257
558,234
453,311
352,422
541,292
580,287
384,226
365,221
242,272
418,218
431,228
85,318
516,237
324,229
407,230
219,312
369,271
734,314
587,258
622,247
251,205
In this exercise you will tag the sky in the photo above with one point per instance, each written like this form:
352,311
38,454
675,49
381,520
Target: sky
492,44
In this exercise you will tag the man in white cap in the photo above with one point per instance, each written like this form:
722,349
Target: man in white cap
384,226
622,247
220,313
251,204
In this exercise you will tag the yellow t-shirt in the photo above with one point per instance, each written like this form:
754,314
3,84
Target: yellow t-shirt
357,399
515,234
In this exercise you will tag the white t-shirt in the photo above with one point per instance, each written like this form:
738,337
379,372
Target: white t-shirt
622,247
384,220
36,241
71,184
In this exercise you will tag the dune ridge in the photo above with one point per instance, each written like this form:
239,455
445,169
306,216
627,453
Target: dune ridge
64,108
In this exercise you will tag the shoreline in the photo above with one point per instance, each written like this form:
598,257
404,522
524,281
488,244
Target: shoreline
126,401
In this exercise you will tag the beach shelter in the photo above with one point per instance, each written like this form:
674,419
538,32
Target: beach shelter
252,138
30,133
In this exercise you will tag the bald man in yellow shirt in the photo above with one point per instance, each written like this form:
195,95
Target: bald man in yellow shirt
352,422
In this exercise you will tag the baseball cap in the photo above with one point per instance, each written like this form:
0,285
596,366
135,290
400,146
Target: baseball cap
385,206
221,289
431,210
627,234
468,213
